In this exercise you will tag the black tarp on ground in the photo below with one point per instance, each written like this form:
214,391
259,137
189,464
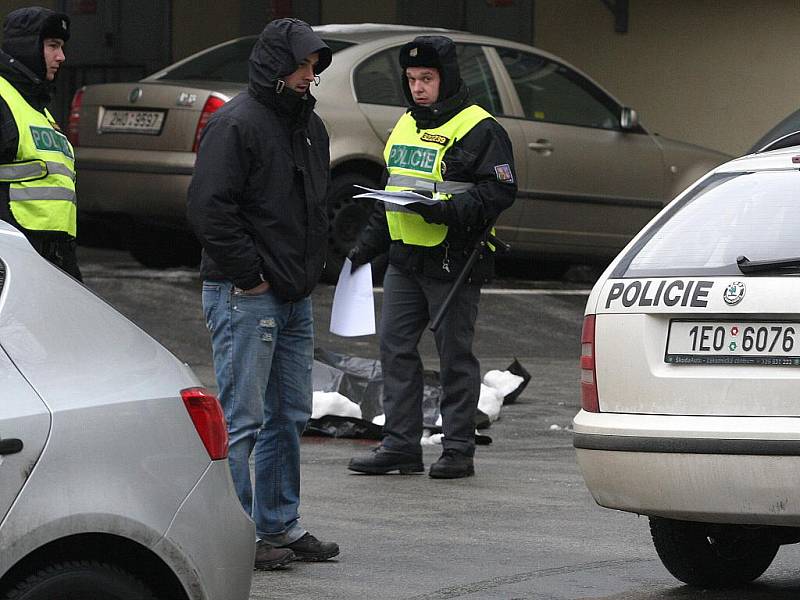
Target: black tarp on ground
361,381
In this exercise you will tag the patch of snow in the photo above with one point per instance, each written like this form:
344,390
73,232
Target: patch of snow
555,427
504,382
429,439
490,402
333,404
379,420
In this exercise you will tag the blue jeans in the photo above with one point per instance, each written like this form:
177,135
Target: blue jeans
263,354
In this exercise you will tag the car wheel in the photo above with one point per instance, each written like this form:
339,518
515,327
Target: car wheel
709,555
162,249
347,217
79,580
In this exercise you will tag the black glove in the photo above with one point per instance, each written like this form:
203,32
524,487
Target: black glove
432,213
357,258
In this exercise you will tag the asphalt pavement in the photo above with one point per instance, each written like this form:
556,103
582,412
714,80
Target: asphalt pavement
524,527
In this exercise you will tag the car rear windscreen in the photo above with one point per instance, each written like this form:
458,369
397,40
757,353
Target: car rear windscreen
227,63
730,215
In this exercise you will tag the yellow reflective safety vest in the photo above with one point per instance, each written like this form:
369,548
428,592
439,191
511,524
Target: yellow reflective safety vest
414,160
42,177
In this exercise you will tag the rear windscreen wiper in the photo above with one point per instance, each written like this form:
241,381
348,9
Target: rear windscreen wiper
757,266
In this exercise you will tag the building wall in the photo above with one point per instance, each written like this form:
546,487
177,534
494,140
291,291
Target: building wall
6,6
358,11
198,25
718,73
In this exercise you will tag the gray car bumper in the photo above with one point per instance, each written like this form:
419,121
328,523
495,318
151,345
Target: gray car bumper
219,555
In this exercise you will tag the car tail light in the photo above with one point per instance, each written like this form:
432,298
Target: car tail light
206,414
211,106
589,400
74,119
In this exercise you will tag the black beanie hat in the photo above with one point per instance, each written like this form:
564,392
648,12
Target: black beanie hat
55,26
24,30
436,52
419,53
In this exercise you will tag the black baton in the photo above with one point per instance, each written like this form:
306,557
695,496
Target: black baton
486,238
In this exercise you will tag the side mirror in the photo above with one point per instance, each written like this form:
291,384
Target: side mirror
628,119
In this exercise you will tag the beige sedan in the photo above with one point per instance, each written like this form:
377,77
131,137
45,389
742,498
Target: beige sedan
590,175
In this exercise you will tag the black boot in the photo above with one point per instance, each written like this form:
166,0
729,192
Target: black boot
269,558
310,549
381,461
452,465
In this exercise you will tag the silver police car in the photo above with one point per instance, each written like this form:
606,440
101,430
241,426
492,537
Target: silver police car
690,374
114,481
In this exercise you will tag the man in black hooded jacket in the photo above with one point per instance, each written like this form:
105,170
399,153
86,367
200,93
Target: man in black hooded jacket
37,171
257,205
450,149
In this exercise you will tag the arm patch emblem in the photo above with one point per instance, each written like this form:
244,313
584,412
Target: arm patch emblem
435,138
504,173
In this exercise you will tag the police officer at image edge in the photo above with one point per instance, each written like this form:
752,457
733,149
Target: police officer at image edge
37,162
447,145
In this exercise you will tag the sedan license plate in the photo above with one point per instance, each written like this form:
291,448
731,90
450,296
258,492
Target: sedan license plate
132,121
773,343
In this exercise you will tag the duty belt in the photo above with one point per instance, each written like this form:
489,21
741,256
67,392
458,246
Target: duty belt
443,187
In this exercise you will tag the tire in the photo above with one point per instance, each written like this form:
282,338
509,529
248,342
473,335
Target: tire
712,556
80,580
347,218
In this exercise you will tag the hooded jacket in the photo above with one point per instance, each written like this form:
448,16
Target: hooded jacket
24,31
483,156
257,198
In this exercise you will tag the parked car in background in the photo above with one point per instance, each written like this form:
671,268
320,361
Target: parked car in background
590,175
783,135
690,368
114,481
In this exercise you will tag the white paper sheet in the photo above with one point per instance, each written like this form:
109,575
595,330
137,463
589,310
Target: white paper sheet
353,311
402,197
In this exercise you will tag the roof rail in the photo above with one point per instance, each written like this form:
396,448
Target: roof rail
785,141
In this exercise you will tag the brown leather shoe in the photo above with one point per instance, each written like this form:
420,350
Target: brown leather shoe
269,557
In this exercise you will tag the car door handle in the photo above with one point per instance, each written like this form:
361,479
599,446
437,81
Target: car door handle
10,446
543,146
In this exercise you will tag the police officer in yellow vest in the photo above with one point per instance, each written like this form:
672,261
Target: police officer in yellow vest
37,163
450,149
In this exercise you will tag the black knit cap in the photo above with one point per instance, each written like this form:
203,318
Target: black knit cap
436,52
24,30
36,20
419,53
56,26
